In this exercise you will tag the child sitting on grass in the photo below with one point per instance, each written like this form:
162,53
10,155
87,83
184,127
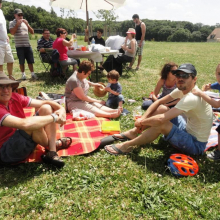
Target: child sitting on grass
115,98
215,85
167,82
214,155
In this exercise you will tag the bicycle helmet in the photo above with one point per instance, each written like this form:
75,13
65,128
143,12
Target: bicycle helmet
182,165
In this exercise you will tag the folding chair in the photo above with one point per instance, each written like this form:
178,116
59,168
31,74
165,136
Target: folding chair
56,67
21,91
47,64
126,67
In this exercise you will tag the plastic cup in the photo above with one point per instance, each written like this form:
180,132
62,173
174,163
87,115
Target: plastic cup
83,48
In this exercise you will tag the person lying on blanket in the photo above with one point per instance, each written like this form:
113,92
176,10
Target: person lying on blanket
19,135
76,90
190,137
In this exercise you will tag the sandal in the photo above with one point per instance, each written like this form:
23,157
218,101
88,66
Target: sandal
124,138
64,144
52,158
119,152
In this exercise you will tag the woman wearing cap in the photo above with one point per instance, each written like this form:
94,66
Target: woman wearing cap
129,47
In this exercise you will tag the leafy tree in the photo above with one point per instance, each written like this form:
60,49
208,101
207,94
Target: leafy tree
109,18
189,26
164,33
180,35
196,36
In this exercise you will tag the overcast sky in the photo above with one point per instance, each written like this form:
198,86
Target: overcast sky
195,11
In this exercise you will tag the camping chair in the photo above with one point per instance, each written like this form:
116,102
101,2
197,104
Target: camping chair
46,64
21,91
56,67
125,66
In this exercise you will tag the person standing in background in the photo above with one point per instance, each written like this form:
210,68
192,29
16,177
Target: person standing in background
19,27
140,29
5,49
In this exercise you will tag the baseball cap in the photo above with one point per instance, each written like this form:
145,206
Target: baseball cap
131,31
18,11
187,68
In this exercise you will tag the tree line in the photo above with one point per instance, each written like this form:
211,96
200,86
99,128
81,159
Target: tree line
157,30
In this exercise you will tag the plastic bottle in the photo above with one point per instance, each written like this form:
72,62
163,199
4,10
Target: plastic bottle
75,45
93,41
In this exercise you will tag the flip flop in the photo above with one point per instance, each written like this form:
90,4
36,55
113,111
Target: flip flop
106,141
64,143
125,138
116,149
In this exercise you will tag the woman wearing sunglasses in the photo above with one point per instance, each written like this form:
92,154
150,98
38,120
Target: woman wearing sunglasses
61,44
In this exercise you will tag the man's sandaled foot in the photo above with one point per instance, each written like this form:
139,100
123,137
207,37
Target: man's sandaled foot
114,150
52,158
122,138
63,143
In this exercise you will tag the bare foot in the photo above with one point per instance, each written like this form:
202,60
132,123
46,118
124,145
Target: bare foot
11,77
116,114
129,134
120,108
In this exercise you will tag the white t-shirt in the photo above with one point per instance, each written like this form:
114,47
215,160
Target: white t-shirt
198,112
3,29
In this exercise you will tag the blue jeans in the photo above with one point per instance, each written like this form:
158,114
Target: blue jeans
182,140
112,102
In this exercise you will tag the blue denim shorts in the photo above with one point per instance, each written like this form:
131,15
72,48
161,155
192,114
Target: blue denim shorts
182,140
112,102
17,148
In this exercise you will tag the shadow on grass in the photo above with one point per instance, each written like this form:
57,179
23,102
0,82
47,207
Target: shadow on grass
157,162
12,175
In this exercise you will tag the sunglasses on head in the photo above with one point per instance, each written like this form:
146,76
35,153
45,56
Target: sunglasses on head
182,75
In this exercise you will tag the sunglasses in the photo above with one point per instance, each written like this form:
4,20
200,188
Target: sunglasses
64,33
20,15
182,75
2,87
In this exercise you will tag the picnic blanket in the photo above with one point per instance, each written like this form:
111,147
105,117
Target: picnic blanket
86,136
213,137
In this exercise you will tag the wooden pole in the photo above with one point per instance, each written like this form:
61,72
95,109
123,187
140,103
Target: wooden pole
87,18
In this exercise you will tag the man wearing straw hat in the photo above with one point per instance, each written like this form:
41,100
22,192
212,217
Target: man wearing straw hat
19,135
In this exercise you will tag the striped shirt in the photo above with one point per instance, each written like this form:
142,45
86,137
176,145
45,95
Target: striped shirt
21,36
42,43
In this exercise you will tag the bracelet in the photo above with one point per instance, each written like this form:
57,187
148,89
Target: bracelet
55,117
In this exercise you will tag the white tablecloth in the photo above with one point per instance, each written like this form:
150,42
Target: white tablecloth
95,56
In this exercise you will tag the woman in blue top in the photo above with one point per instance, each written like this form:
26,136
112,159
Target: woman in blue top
167,82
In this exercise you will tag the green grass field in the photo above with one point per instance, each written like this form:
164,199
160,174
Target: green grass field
101,186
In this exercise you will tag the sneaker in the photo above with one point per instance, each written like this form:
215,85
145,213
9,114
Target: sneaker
33,76
214,155
52,158
23,77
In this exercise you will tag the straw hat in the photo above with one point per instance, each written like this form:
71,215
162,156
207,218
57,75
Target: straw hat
131,31
4,80
99,91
